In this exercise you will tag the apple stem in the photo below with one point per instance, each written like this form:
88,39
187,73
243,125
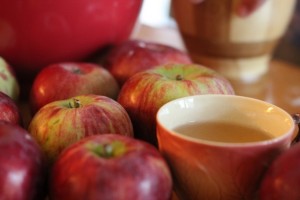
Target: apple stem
75,103
179,77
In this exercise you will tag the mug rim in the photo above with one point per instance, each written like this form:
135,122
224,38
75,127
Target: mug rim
273,140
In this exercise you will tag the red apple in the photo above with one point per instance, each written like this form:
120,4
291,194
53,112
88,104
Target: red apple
65,80
61,123
9,110
22,172
8,81
110,166
145,92
282,179
35,34
132,56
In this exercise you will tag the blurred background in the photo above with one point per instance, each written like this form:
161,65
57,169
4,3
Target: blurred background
157,13
289,47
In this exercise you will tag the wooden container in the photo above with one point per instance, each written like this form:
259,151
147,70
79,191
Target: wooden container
235,37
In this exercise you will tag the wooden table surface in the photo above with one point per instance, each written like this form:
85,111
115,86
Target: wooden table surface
280,86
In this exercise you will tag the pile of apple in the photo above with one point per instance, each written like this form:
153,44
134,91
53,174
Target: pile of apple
91,134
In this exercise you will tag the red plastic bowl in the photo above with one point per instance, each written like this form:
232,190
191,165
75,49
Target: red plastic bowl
35,33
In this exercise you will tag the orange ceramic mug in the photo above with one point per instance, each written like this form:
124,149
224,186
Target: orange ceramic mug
219,146
235,37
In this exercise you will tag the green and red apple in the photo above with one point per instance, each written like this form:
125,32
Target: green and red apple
145,92
8,81
65,80
110,166
61,123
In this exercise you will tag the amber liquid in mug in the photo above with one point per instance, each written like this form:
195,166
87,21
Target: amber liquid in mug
223,132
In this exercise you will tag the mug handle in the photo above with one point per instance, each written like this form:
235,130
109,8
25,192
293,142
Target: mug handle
296,118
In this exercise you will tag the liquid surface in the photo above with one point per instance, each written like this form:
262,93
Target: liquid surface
223,132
